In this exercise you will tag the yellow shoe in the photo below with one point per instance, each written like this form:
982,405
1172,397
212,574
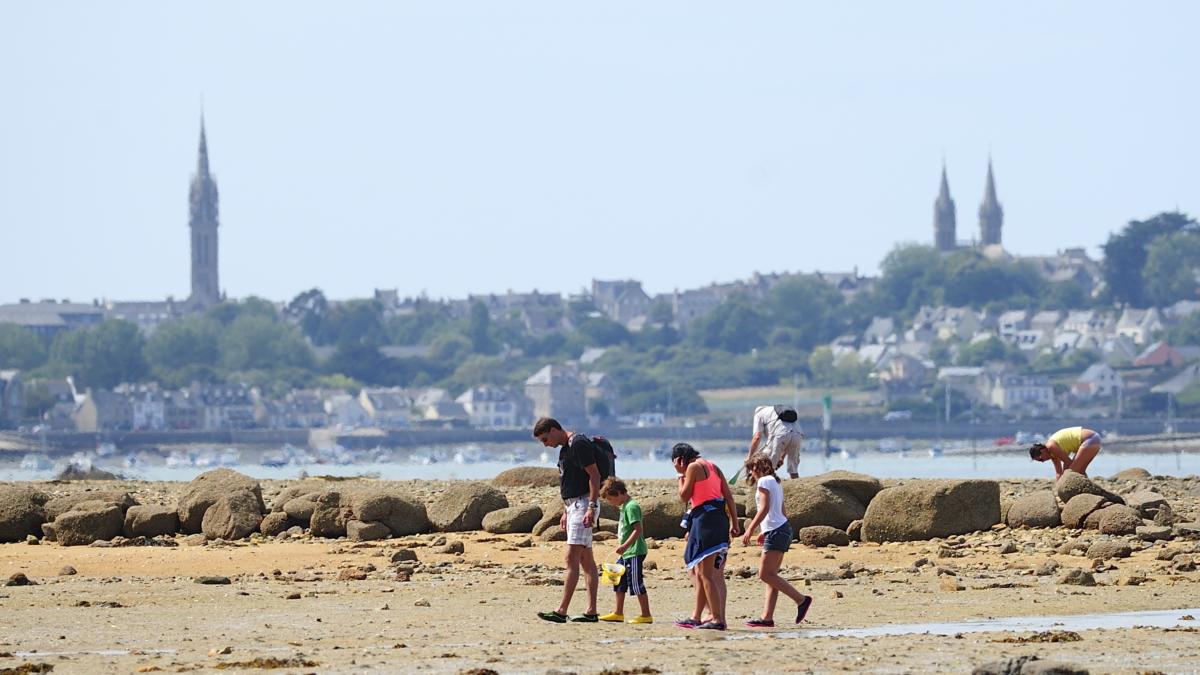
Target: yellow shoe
613,616
641,619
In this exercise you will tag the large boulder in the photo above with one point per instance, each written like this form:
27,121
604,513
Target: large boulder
330,516
1075,513
861,486
818,536
462,506
401,514
87,522
1119,519
300,509
660,517
1133,473
527,476
233,516
1072,483
931,508
206,489
513,519
551,516
60,505
807,504
22,513
274,523
291,492
1039,509
1147,502
360,531
151,520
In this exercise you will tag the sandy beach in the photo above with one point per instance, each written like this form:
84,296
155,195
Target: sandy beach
304,604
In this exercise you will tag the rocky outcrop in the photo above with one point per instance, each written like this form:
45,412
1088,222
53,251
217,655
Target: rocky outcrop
807,504
527,476
660,517
1119,519
462,507
150,521
1039,509
818,536
87,522
232,516
513,519
1075,513
22,513
1071,484
931,508
401,514
206,489
858,485
60,505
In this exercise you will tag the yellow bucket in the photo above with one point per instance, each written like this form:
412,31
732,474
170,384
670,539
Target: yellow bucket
611,573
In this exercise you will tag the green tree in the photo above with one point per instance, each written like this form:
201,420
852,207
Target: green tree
112,355
991,349
1125,254
185,350
735,325
310,311
1172,266
479,329
20,348
809,307
255,342
911,277
1186,331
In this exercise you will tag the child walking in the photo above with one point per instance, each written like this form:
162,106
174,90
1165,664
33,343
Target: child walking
632,551
776,538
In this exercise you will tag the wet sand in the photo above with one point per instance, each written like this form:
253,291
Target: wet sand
338,606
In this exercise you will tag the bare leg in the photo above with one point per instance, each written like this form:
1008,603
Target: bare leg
644,602
701,597
571,578
1083,457
713,582
768,572
591,578
620,603
770,596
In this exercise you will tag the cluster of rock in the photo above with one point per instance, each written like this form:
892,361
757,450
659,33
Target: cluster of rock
834,508
1080,503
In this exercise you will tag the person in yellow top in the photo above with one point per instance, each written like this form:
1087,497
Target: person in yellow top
1071,448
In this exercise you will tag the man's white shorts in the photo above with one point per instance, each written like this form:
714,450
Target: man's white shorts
577,533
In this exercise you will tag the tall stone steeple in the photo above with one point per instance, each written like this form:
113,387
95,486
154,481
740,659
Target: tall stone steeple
944,218
203,222
991,216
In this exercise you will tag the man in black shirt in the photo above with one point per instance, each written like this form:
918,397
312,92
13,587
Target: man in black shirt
579,486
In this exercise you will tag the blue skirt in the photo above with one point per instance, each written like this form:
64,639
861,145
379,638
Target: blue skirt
708,533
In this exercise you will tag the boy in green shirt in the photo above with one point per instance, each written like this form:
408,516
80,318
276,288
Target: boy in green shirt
632,551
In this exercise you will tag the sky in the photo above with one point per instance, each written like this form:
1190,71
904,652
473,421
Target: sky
448,148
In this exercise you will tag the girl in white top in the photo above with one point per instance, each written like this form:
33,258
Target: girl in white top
776,537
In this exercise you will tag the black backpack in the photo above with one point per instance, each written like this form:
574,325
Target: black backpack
606,460
786,413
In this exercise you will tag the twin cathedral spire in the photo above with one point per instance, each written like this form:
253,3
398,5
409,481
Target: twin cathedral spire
991,215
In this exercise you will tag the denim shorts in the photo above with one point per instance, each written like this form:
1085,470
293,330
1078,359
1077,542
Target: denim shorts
778,539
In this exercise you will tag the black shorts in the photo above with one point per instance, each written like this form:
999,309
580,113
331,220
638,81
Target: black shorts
632,582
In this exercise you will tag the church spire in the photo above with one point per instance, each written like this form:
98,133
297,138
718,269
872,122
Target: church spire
991,215
203,221
944,218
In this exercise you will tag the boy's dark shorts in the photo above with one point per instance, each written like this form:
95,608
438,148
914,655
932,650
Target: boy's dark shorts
632,582
778,539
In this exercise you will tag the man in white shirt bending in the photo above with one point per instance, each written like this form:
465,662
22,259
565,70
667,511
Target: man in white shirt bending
777,433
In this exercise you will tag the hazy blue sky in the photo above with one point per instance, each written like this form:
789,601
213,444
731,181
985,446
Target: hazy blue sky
456,147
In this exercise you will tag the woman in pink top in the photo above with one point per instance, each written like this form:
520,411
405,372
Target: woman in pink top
711,522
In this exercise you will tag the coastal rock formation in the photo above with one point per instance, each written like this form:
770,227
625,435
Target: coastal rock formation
22,513
300,509
1081,506
1108,548
60,505
931,508
87,522
807,504
859,485
462,507
1119,519
330,516
402,515
1071,484
660,517
206,489
1039,509
818,536
1146,502
513,519
150,521
274,523
232,516
1133,473
527,476
551,514
360,531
